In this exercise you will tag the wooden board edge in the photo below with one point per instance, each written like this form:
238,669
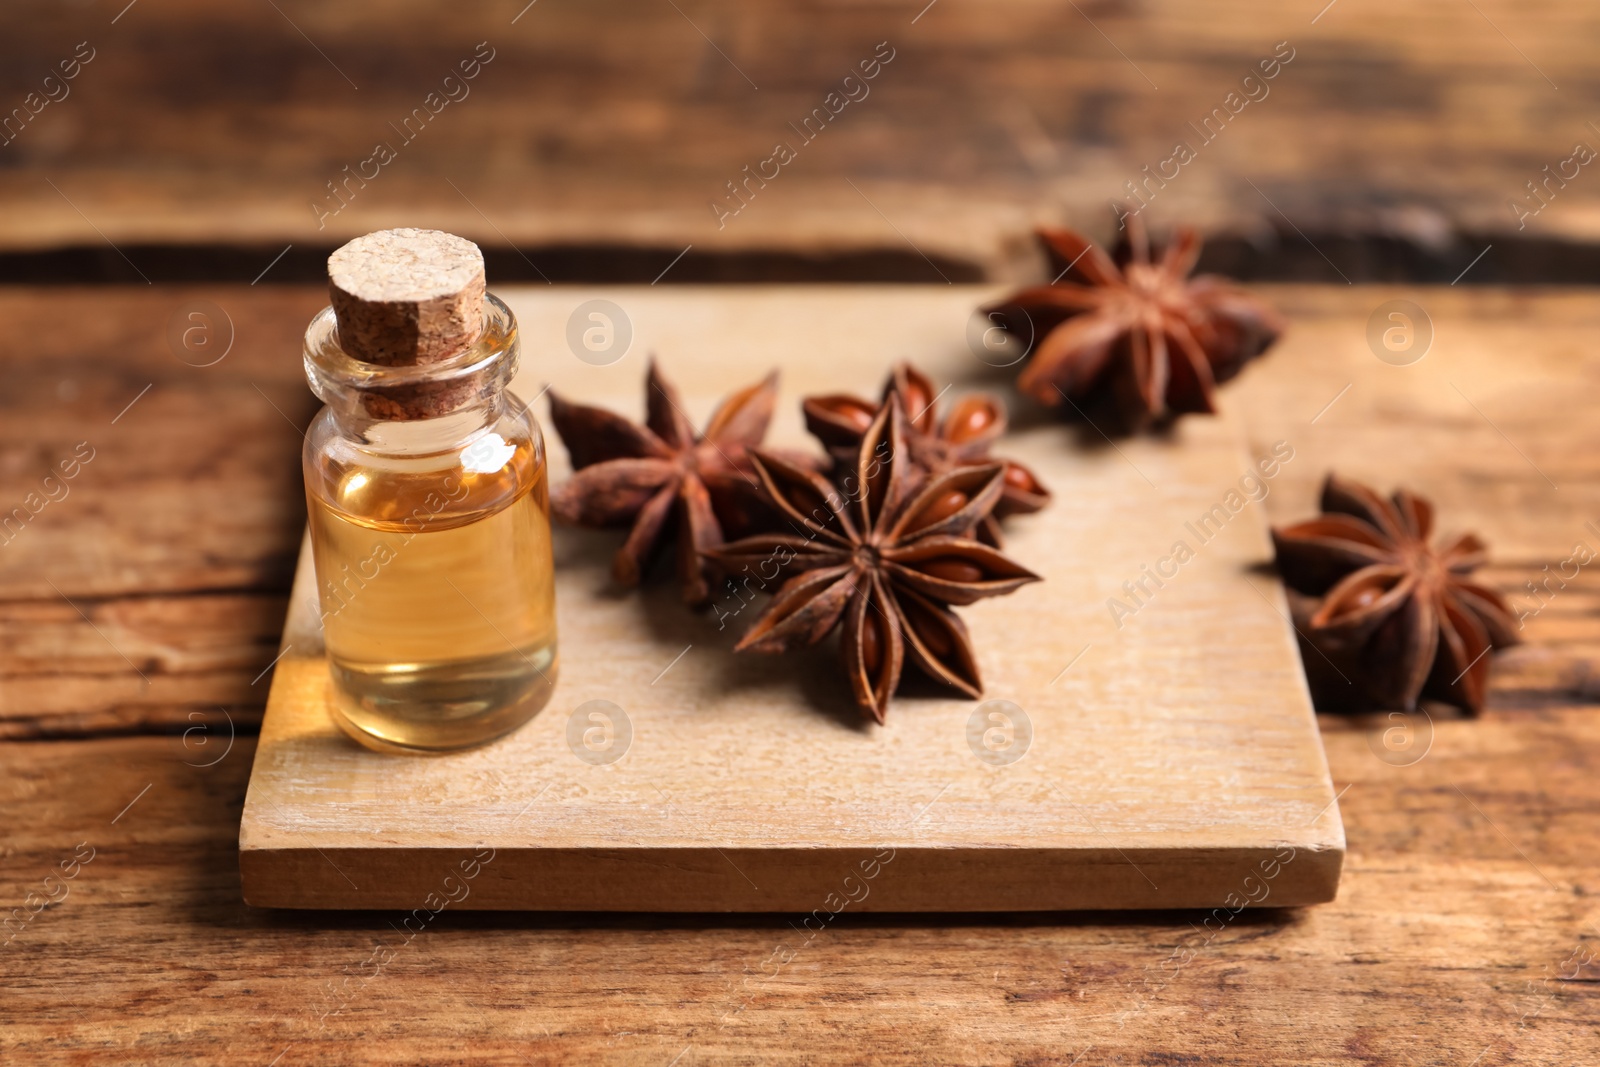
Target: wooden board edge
1273,874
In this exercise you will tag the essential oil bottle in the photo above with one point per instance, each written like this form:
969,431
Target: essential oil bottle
428,501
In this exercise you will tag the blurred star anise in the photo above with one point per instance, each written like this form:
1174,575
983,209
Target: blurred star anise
1398,612
880,560
962,438
663,475
1134,326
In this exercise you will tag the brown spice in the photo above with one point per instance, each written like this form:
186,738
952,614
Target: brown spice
962,438
882,564
663,474
1396,617
1133,327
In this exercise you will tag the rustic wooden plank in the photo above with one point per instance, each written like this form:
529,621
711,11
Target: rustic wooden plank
1446,942
95,368
198,125
140,662
1176,758
148,588
1495,423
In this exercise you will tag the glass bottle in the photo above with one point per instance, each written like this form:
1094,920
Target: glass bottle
430,526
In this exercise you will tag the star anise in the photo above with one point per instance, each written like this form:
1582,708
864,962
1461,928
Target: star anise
879,561
1400,612
663,474
1134,326
961,439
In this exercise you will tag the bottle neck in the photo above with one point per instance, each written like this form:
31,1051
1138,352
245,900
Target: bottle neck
419,408
419,436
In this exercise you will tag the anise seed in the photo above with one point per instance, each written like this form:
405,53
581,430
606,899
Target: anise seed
933,638
971,421
916,400
856,415
1017,477
871,642
946,505
952,569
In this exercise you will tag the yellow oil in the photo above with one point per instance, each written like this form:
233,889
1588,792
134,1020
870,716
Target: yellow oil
437,591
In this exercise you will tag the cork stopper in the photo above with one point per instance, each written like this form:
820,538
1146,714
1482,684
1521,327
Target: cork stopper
407,296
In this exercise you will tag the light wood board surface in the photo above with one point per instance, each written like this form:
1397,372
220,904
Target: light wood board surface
1168,749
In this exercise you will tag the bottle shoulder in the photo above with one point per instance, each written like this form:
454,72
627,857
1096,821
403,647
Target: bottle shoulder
383,488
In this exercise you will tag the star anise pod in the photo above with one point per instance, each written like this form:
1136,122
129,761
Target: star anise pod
663,475
1134,326
961,439
1400,612
880,562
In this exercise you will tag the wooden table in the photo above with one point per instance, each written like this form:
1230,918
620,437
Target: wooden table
140,611
603,133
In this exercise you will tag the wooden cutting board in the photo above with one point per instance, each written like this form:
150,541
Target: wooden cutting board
1140,745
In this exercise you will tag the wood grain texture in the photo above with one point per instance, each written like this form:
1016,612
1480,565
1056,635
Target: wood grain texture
1468,886
1447,943
150,591
1168,750
621,122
